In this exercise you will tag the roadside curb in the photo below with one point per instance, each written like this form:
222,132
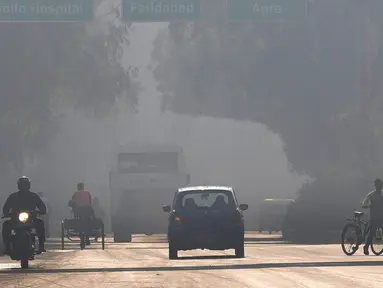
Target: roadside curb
313,237
264,239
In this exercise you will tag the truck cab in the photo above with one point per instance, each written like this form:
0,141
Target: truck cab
144,177
272,213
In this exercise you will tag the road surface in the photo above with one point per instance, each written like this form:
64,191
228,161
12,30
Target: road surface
145,263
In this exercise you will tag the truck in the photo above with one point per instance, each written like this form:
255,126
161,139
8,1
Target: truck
143,178
272,213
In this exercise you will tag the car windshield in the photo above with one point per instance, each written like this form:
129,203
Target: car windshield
206,199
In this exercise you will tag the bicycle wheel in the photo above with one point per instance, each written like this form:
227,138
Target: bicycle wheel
350,238
377,242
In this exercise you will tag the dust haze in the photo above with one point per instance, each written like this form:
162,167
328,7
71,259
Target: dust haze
218,151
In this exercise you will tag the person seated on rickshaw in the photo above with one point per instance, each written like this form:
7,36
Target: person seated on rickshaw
81,203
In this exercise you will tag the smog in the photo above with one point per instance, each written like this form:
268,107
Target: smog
218,151
281,102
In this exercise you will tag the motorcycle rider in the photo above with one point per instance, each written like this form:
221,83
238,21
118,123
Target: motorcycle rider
374,201
47,214
24,199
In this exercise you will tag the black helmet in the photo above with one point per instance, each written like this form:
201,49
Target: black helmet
80,186
23,183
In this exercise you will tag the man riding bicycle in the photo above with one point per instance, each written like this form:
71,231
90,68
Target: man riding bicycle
374,201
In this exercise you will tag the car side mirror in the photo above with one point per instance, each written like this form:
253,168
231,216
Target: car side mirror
166,208
243,207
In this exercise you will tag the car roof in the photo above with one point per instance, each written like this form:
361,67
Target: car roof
205,187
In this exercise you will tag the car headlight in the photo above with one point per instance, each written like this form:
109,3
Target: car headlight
23,217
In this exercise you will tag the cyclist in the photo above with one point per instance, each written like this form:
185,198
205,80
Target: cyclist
374,201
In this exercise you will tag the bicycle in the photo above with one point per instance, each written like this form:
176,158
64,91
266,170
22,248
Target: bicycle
360,229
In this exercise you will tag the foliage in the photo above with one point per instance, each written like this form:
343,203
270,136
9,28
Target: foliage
316,83
49,65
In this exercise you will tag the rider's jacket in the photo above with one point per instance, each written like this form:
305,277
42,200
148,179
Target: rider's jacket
82,198
374,200
46,202
19,201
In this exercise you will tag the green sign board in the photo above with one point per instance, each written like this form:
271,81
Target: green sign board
266,10
46,10
160,10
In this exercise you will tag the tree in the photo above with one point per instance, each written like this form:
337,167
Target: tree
298,79
316,83
46,66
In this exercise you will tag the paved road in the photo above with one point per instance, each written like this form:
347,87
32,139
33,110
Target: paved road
145,263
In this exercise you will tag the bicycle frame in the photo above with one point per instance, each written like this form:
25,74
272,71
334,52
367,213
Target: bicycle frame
364,226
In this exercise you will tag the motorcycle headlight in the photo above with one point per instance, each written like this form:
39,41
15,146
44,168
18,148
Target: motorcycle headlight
23,217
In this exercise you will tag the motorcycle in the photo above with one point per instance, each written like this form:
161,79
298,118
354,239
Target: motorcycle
23,237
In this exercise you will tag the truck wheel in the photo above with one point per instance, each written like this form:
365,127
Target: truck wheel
82,241
173,252
122,237
24,263
240,250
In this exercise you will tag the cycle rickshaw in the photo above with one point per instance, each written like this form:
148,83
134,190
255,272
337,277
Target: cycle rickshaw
82,229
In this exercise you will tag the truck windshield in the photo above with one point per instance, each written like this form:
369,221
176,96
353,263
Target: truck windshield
275,207
142,201
153,162
206,199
